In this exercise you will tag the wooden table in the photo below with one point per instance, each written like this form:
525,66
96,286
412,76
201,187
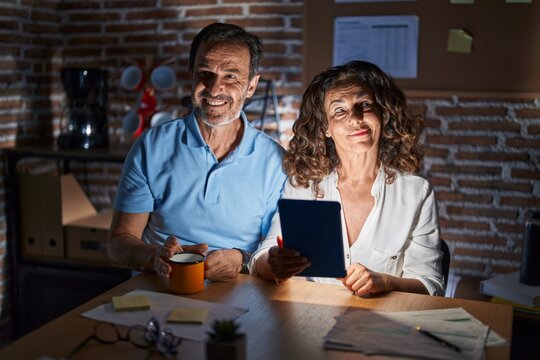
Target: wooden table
286,321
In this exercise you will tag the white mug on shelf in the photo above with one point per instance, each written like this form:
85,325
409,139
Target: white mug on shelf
131,122
159,118
163,78
132,78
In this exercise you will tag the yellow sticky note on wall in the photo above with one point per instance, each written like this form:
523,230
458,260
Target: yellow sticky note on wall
187,315
130,303
459,41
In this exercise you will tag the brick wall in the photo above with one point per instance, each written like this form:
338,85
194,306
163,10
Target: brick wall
483,153
483,157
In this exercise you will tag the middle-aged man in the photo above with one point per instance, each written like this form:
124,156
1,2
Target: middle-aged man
208,182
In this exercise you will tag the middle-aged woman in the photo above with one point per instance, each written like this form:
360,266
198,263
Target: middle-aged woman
355,142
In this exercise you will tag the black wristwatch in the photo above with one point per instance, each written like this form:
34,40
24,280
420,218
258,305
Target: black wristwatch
245,261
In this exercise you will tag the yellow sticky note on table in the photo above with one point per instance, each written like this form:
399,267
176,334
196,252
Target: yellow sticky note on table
459,41
130,303
187,315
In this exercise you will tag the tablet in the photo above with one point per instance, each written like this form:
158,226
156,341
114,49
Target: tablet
313,227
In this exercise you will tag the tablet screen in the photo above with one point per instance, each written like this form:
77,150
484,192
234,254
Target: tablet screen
313,227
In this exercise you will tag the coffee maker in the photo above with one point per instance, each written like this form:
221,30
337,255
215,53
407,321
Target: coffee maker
84,120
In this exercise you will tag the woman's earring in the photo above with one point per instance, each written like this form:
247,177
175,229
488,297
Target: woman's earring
327,135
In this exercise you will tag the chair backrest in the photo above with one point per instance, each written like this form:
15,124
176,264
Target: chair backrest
445,260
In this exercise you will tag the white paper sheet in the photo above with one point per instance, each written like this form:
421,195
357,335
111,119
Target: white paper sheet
391,42
162,304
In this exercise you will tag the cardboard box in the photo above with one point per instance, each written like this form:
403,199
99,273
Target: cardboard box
86,238
47,203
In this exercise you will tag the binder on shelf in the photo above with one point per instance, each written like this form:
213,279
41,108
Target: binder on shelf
50,209
31,239
508,287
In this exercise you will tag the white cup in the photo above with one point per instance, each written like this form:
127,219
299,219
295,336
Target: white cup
131,122
159,118
163,78
132,78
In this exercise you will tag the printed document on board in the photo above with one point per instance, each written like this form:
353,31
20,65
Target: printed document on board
391,42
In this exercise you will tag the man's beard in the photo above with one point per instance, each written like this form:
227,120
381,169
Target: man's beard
226,118
222,122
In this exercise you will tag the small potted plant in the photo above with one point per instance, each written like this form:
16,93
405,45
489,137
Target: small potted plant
225,342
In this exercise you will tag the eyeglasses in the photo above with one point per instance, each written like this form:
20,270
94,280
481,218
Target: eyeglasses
141,336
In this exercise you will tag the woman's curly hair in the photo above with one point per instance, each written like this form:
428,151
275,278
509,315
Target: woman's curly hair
311,155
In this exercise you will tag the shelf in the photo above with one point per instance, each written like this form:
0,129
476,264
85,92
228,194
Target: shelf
43,288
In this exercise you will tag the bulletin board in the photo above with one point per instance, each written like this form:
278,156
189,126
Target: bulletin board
505,54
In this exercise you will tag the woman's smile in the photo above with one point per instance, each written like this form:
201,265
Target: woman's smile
360,133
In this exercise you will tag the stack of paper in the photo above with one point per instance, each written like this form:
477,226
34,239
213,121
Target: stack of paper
508,287
395,334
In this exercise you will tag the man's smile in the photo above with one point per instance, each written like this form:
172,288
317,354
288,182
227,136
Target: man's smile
215,102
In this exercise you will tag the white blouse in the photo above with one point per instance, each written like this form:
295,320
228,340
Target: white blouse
400,236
